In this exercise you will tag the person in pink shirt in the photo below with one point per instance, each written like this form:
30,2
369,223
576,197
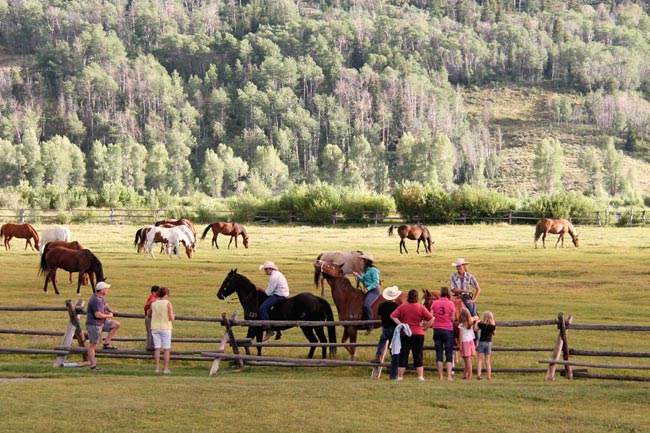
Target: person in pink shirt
418,319
443,310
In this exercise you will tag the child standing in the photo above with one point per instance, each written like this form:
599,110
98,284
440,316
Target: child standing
467,345
488,328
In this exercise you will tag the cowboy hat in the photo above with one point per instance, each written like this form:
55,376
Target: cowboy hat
268,265
367,256
459,262
392,292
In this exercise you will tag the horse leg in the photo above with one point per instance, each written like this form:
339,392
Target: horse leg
231,238
320,333
560,238
52,276
8,242
344,338
79,281
402,243
544,240
417,250
215,240
309,333
353,339
255,331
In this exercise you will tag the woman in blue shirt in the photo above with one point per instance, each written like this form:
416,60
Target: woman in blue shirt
371,283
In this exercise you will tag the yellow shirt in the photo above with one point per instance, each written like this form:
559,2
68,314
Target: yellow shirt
160,315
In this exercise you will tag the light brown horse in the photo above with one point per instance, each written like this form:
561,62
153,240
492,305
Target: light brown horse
348,301
418,233
350,261
555,226
229,229
23,231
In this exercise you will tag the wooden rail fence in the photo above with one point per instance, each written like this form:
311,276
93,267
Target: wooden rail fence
561,353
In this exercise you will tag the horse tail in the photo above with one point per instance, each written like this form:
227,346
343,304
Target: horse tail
138,235
43,266
331,329
390,230
205,232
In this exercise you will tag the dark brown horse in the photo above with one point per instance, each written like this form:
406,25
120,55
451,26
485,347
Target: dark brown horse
74,245
348,301
84,262
416,233
229,229
23,231
555,226
303,306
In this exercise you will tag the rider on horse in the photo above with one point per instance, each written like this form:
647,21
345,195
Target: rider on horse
462,283
277,292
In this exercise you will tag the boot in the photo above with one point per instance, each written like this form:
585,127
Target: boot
267,336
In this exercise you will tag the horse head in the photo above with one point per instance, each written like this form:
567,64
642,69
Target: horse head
227,288
576,241
328,269
428,296
246,241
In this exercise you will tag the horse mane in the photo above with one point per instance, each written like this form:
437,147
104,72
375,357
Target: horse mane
34,233
96,263
243,231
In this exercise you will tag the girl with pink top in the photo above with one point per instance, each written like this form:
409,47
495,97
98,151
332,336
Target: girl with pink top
443,331
467,345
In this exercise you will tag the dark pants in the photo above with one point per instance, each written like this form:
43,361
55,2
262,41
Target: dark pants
415,344
371,297
387,335
444,341
268,303
469,305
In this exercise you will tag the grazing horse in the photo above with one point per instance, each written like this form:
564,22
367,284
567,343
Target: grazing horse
23,231
348,301
303,306
179,222
54,233
74,245
555,226
418,233
84,262
173,237
351,261
229,229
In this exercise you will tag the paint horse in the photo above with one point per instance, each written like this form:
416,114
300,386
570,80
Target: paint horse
555,226
173,237
23,231
303,306
348,301
418,233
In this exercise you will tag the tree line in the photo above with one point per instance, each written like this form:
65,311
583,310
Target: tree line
221,98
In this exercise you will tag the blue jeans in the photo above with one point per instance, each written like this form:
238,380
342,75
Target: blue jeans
469,305
444,341
387,335
268,303
371,297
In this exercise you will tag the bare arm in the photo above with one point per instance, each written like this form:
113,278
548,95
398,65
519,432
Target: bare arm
170,311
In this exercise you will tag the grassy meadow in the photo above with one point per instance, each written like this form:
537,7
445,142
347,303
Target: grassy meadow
604,281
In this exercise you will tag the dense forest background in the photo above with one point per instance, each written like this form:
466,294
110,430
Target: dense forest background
125,102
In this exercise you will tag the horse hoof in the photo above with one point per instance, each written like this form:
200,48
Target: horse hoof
355,358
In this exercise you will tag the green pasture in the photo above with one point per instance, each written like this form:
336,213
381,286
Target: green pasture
604,281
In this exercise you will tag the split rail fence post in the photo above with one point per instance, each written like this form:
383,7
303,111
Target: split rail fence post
561,349
73,331
224,341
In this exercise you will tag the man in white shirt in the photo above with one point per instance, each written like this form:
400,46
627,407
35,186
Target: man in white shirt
277,291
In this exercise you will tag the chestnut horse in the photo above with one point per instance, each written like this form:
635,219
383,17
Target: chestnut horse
555,226
416,233
348,301
74,245
303,306
84,262
23,231
351,261
229,229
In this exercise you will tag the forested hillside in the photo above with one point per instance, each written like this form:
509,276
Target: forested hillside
123,101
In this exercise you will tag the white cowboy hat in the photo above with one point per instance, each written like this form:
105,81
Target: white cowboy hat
459,262
368,257
101,285
268,265
392,292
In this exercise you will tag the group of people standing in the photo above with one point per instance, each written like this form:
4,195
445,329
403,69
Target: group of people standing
404,326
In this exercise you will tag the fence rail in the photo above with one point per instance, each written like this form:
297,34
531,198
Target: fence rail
629,217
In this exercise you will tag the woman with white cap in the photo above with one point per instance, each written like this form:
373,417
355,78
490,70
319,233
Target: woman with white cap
277,291
371,282
462,283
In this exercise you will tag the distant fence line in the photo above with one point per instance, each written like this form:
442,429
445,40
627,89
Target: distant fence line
605,217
